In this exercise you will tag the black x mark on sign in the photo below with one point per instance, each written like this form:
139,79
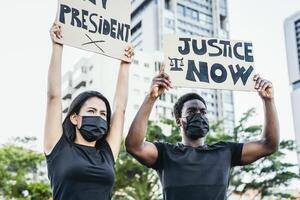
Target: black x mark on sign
93,42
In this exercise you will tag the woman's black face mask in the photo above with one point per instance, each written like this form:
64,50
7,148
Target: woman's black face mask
93,128
197,126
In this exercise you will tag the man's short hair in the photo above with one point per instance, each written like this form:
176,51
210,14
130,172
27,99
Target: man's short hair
177,109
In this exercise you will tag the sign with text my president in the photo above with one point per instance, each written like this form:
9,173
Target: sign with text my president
100,26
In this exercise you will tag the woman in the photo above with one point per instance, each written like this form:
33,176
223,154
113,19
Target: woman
81,151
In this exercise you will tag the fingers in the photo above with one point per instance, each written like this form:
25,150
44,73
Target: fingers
129,51
163,76
163,81
257,80
267,84
261,84
161,85
55,31
256,76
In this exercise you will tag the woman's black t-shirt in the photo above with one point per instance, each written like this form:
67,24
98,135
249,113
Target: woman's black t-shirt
80,172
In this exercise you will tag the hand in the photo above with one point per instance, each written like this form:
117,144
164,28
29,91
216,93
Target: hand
264,88
129,53
160,83
55,33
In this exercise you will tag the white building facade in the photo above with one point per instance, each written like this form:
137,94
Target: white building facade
292,38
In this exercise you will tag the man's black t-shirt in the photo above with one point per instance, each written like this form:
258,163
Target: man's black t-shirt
79,172
201,173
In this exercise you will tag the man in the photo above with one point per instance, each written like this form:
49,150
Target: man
192,170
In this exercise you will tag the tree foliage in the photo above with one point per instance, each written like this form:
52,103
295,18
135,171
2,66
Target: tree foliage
20,172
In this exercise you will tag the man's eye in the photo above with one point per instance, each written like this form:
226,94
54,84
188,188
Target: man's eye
190,113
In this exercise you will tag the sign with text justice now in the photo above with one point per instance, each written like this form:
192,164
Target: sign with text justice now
100,26
199,62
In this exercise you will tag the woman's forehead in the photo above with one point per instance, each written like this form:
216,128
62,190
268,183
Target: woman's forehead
95,102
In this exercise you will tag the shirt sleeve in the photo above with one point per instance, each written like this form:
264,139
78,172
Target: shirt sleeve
159,161
236,153
62,142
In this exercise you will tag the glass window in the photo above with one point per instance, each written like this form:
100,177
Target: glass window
169,23
162,97
180,9
136,62
147,65
191,13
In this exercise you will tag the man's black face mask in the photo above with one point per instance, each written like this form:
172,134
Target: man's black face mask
197,126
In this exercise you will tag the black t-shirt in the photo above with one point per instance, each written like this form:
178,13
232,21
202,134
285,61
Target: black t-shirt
201,173
79,172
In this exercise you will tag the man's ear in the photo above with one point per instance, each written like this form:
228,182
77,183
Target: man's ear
74,119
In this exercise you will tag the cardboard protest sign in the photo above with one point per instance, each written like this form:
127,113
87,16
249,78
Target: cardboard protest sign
209,63
100,26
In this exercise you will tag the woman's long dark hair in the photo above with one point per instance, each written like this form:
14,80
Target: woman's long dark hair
68,128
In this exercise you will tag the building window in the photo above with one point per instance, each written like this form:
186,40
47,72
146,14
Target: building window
136,27
164,111
84,69
162,97
157,66
147,65
191,13
168,5
181,9
228,98
172,98
169,23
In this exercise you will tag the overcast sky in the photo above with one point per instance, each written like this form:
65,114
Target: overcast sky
25,49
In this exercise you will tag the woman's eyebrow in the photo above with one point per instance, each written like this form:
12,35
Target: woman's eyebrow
101,111
92,108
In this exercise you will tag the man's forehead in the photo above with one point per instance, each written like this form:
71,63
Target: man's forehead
193,103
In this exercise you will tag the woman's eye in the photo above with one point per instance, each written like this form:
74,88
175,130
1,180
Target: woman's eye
91,111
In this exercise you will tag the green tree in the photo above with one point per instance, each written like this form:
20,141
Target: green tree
20,172
266,174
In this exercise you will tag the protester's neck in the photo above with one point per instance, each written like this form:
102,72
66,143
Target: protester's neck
193,143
